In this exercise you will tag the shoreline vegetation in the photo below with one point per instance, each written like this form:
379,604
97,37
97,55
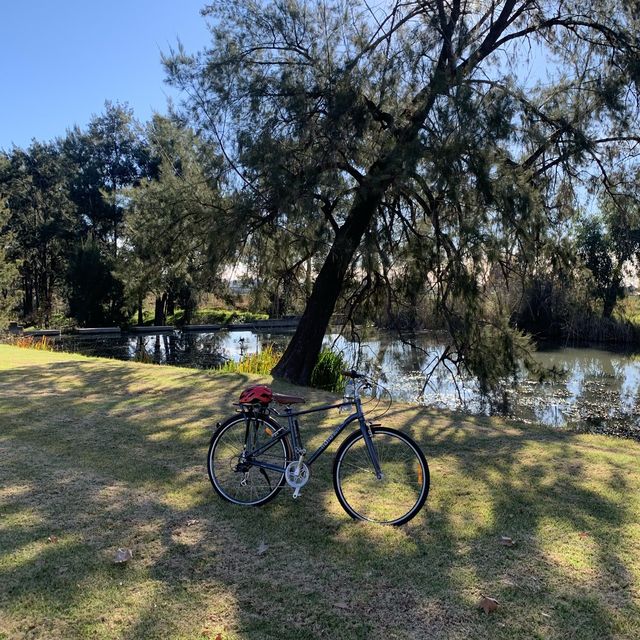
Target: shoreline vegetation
203,316
570,326
99,455
575,325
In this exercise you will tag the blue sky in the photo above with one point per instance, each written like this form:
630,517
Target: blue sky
61,59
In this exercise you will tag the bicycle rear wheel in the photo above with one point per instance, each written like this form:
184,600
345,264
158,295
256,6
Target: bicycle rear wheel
398,495
243,482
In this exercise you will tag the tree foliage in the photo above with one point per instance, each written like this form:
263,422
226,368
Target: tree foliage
107,158
608,243
41,222
9,270
172,235
98,219
416,148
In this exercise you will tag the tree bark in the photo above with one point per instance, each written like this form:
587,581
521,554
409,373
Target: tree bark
301,355
158,319
27,305
171,304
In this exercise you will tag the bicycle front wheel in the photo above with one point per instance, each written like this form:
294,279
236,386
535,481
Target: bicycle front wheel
396,497
234,473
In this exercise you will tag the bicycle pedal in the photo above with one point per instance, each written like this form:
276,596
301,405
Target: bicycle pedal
296,493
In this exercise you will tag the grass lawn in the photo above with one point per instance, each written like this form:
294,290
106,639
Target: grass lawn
99,454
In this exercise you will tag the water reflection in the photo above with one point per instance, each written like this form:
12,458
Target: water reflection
189,349
592,389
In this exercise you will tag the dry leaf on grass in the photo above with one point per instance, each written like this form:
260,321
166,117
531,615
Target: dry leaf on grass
123,555
506,541
52,539
190,523
488,605
262,548
341,605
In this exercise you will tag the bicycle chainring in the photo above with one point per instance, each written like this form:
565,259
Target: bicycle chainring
294,478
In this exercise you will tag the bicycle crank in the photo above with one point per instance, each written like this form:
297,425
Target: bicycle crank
297,475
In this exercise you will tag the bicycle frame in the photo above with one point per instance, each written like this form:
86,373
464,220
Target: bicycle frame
293,429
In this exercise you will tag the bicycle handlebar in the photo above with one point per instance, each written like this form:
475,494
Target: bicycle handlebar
353,374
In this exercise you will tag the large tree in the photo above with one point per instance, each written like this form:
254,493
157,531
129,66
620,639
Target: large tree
9,271
608,244
41,223
106,159
171,233
450,133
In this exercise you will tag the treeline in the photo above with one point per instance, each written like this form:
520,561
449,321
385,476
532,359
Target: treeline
93,223
103,223
580,289
103,220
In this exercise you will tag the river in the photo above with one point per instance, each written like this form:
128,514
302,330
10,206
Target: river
594,390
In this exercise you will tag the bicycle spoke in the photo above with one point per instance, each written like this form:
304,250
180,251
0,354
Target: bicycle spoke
389,499
244,482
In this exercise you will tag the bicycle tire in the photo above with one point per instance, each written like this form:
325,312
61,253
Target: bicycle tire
252,486
399,495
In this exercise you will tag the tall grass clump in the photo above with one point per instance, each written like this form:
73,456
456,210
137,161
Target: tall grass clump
260,363
327,374
31,342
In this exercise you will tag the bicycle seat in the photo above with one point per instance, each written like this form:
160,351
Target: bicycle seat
282,398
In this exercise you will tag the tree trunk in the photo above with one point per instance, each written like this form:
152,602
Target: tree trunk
27,304
301,355
189,307
158,319
140,315
171,304
609,300
36,291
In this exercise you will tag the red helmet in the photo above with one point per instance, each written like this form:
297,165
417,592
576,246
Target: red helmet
259,393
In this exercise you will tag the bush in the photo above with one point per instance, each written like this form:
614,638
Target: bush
327,374
260,363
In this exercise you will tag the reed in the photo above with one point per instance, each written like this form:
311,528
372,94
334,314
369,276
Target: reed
258,363
327,374
32,342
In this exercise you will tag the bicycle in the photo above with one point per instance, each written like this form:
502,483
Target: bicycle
379,474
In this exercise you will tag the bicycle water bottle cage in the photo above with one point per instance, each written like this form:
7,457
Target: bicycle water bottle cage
258,394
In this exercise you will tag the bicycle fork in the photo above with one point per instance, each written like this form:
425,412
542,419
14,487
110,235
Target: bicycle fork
367,434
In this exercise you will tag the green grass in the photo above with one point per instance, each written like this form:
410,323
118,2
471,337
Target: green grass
104,454
203,316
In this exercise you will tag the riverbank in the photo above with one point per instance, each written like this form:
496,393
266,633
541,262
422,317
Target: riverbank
100,454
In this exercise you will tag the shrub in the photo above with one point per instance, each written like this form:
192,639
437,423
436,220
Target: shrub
327,374
260,363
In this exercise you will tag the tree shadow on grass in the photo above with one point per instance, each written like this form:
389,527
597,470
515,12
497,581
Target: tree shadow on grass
101,457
